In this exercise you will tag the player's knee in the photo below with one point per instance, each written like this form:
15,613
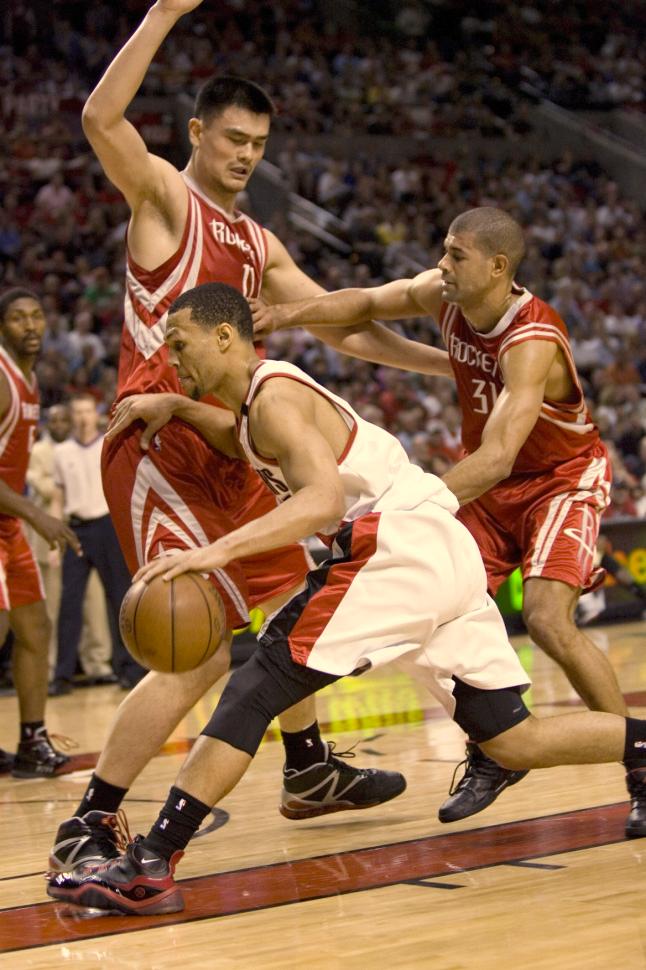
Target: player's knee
249,702
548,628
35,635
514,749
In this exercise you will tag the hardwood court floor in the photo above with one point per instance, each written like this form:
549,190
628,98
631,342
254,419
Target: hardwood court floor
544,879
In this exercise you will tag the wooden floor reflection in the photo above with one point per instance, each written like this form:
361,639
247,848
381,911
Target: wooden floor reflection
543,879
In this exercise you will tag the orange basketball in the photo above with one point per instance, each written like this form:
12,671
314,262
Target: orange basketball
172,626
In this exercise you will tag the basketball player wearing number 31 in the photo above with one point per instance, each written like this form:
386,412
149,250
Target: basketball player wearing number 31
536,477
185,230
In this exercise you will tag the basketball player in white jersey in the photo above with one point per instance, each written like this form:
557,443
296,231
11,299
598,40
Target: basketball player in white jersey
404,582
185,229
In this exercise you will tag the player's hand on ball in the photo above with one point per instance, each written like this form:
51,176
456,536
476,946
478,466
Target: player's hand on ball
189,560
155,409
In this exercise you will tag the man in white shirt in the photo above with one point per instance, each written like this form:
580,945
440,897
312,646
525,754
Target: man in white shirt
95,648
79,495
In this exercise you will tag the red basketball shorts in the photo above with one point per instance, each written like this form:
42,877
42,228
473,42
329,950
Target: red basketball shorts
181,494
547,524
20,581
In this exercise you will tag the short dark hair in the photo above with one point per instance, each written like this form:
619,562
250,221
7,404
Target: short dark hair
15,293
495,231
221,92
214,303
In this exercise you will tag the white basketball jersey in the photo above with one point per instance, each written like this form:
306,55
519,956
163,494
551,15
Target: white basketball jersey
376,472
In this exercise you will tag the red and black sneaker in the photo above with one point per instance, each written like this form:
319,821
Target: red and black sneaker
139,883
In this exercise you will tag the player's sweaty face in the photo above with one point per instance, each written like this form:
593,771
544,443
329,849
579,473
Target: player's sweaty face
230,146
465,269
23,326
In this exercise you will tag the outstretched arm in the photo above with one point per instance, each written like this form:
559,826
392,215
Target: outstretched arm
525,369
345,320
121,150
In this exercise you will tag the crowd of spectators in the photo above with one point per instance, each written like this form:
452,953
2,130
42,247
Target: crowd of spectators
439,70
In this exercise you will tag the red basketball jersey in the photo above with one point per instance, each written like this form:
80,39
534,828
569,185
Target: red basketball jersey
216,248
18,424
562,431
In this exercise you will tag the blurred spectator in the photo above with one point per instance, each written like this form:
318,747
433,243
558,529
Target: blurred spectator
95,642
79,494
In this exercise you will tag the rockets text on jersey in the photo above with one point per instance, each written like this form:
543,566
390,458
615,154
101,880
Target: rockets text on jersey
216,246
563,430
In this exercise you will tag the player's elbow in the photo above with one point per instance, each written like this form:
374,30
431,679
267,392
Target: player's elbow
90,118
329,507
500,463
93,118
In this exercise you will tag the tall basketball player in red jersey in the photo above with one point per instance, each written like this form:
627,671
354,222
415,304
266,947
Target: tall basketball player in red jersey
536,476
22,603
185,230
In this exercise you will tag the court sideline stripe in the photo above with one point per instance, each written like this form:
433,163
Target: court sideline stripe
376,867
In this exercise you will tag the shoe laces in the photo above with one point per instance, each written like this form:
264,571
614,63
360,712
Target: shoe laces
475,763
63,742
347,754
120,829
122,839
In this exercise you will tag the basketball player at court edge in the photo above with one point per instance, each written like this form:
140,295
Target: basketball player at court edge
22,596
184,229
536,476
404,582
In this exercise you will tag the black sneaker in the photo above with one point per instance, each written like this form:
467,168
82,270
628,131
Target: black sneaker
333,786
482,782
636,821
88,841
38,758
6,761
139,883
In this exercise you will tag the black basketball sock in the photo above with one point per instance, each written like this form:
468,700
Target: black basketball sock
304,748
635,749
176,824
101,796
30,730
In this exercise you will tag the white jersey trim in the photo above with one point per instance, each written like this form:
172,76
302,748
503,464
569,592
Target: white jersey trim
592,482
148,477
10,419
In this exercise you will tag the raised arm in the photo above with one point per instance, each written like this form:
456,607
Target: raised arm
120,148
345,320
525,370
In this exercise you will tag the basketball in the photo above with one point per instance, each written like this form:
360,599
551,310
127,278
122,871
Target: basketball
172,626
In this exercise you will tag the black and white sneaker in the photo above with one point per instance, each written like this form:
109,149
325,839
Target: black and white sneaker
87,841
6,761
38,758
483,780
334,786
636,821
